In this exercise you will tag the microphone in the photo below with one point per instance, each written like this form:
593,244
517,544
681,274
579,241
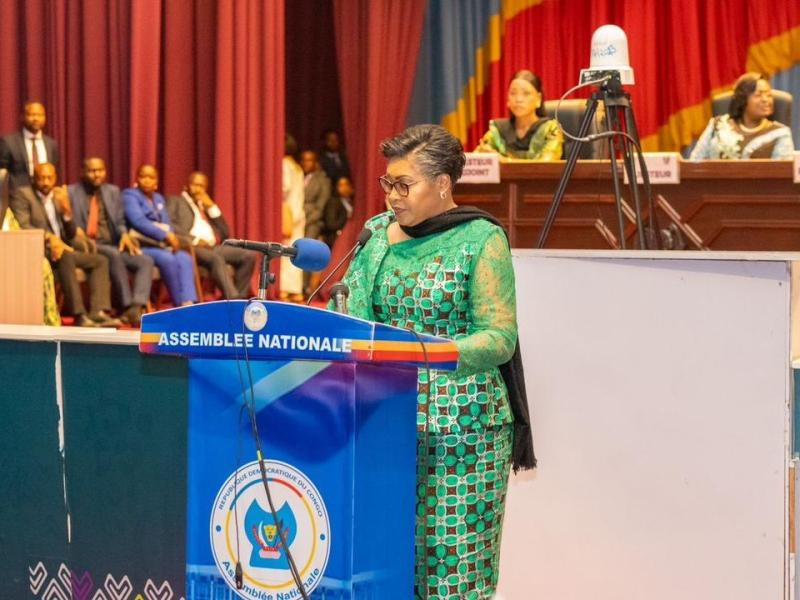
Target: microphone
310,255
306,254
361,241
340,292
272,248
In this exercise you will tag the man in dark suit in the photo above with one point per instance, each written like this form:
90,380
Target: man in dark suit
333,159
45,206
97,210
22,151
317,193
196,217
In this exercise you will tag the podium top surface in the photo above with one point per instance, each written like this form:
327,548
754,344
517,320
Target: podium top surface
264,330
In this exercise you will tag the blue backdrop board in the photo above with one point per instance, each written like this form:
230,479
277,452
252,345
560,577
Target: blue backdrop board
334,400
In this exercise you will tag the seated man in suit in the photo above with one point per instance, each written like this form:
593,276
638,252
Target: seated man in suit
147,217
22,151
196,217
97,210
45,206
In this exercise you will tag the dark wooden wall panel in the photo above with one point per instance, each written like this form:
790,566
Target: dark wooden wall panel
732,205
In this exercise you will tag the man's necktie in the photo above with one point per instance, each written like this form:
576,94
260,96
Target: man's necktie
34,153
94,217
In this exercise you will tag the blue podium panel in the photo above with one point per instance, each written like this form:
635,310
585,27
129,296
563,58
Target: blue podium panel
340,460
334,400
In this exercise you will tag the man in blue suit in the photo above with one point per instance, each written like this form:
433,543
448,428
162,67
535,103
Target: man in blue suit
147,216
98,212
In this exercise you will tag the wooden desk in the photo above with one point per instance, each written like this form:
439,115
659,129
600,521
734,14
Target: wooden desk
732,205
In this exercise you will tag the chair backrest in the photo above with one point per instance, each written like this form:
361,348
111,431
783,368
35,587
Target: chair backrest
783,105
570,116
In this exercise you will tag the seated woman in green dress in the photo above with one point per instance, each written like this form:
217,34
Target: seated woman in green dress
438,269
746,130
527,133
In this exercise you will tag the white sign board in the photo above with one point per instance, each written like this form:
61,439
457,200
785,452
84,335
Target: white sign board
481,168
661,441
796,169
663,168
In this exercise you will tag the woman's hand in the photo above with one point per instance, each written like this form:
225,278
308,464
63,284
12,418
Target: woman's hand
173,242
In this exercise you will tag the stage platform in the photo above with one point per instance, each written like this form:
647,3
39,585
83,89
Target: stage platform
662,392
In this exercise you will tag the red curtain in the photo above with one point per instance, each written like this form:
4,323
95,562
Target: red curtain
184,84
377,47
250,114
313,104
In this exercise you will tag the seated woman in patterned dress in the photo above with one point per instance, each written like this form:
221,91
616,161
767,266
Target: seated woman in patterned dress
527,133
746,131
438,269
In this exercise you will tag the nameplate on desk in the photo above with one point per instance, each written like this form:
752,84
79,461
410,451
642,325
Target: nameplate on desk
662,167
796,167
481,168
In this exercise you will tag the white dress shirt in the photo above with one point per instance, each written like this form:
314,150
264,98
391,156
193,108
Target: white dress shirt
201,228
52,213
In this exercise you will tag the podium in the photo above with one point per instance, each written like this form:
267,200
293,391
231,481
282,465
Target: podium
335,400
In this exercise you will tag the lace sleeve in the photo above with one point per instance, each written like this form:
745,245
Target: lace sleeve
493,332
784,147
702,150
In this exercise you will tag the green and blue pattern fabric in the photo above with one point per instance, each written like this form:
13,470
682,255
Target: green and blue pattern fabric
457,284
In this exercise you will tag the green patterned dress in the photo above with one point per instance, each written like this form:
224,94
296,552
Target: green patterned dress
543,141
457,284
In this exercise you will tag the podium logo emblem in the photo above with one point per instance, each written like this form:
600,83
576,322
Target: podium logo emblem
301,519
255,316
266,535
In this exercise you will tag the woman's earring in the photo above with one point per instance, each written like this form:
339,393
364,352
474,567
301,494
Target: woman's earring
443,194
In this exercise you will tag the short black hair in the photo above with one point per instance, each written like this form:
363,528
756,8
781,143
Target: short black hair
536,82
745,85
435,150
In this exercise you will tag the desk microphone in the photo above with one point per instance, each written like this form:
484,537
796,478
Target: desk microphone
305,254
362,240
340,292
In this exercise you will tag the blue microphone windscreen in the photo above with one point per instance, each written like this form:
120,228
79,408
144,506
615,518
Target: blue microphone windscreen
312,255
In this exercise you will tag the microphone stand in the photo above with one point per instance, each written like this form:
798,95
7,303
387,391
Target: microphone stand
265,278
618,116
360,243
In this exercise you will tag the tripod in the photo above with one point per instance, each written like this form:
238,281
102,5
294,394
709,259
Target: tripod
618,112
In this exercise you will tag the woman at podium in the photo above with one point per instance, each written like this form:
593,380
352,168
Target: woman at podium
527,133
438,269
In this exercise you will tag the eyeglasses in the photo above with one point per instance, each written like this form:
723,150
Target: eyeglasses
401,187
